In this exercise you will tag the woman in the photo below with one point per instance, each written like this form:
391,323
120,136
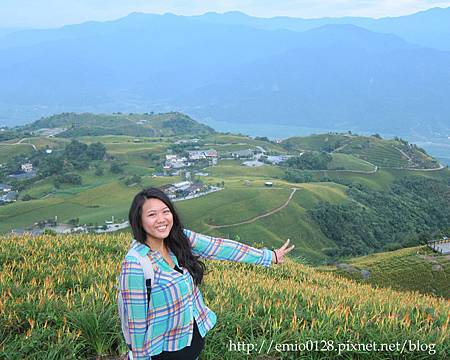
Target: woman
174,321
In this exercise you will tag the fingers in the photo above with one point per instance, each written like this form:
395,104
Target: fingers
285,245
289,249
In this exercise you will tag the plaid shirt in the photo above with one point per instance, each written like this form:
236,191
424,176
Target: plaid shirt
175,301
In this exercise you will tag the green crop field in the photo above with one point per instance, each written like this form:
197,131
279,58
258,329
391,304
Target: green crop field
96,200
215,139
237,170
349,162
61,304
379,153
233,205
400,270
9,151
123,148
317,142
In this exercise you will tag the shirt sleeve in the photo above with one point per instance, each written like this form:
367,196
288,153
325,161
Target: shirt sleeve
134,295
213,248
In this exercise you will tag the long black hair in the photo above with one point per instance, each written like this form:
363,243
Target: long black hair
176,241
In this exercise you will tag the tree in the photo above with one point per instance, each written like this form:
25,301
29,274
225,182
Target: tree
69,178
75,150
116,167
135,179
98,170
96,151
310,161
51,165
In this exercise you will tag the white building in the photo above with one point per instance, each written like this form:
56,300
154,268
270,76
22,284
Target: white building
202,154
4,188
28,167
183,185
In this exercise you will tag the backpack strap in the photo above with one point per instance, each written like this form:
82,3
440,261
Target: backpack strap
147,268
145,262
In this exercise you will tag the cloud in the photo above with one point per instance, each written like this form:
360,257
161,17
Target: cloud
56,13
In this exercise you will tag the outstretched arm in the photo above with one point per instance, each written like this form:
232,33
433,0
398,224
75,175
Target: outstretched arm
213,248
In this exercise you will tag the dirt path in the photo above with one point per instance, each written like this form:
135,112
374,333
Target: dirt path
259,216
21,142
339,148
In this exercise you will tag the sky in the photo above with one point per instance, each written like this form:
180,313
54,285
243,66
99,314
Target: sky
55,13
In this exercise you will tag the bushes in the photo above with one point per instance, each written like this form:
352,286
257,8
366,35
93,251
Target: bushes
406,215
310,161
69,178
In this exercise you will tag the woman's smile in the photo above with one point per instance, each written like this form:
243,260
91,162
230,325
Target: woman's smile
157,220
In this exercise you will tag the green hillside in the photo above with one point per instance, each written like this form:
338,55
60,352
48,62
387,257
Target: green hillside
148,124
413,269
350,162
352,209
8,151
395,153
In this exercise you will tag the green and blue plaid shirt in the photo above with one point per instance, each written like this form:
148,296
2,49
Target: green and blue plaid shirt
175,301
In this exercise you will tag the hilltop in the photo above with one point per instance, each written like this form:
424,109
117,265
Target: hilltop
147,124
61,303
393,153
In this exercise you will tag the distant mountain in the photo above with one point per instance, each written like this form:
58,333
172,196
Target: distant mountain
338,77
87,124
428,28
334,76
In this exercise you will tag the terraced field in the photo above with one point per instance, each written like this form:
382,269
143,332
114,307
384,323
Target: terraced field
322,142
377,153
400,270
350,162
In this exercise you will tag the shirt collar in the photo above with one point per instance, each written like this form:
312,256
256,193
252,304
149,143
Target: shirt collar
144,249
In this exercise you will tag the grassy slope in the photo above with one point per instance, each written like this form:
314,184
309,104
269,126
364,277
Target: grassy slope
61,303
380,152
290,222
9,151
99,198
349,162
406,269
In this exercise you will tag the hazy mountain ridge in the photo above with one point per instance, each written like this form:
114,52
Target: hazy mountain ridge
428,28
336,75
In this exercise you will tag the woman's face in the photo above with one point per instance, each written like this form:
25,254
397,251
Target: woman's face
157,219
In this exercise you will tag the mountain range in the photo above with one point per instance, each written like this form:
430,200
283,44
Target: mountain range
387,75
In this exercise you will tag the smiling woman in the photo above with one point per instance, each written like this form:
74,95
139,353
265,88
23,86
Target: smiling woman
166,317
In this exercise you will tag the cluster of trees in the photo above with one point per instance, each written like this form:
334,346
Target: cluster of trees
296,176
8,134
262,138
132,180
117,167
75,156
310,160
409,213
68,178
